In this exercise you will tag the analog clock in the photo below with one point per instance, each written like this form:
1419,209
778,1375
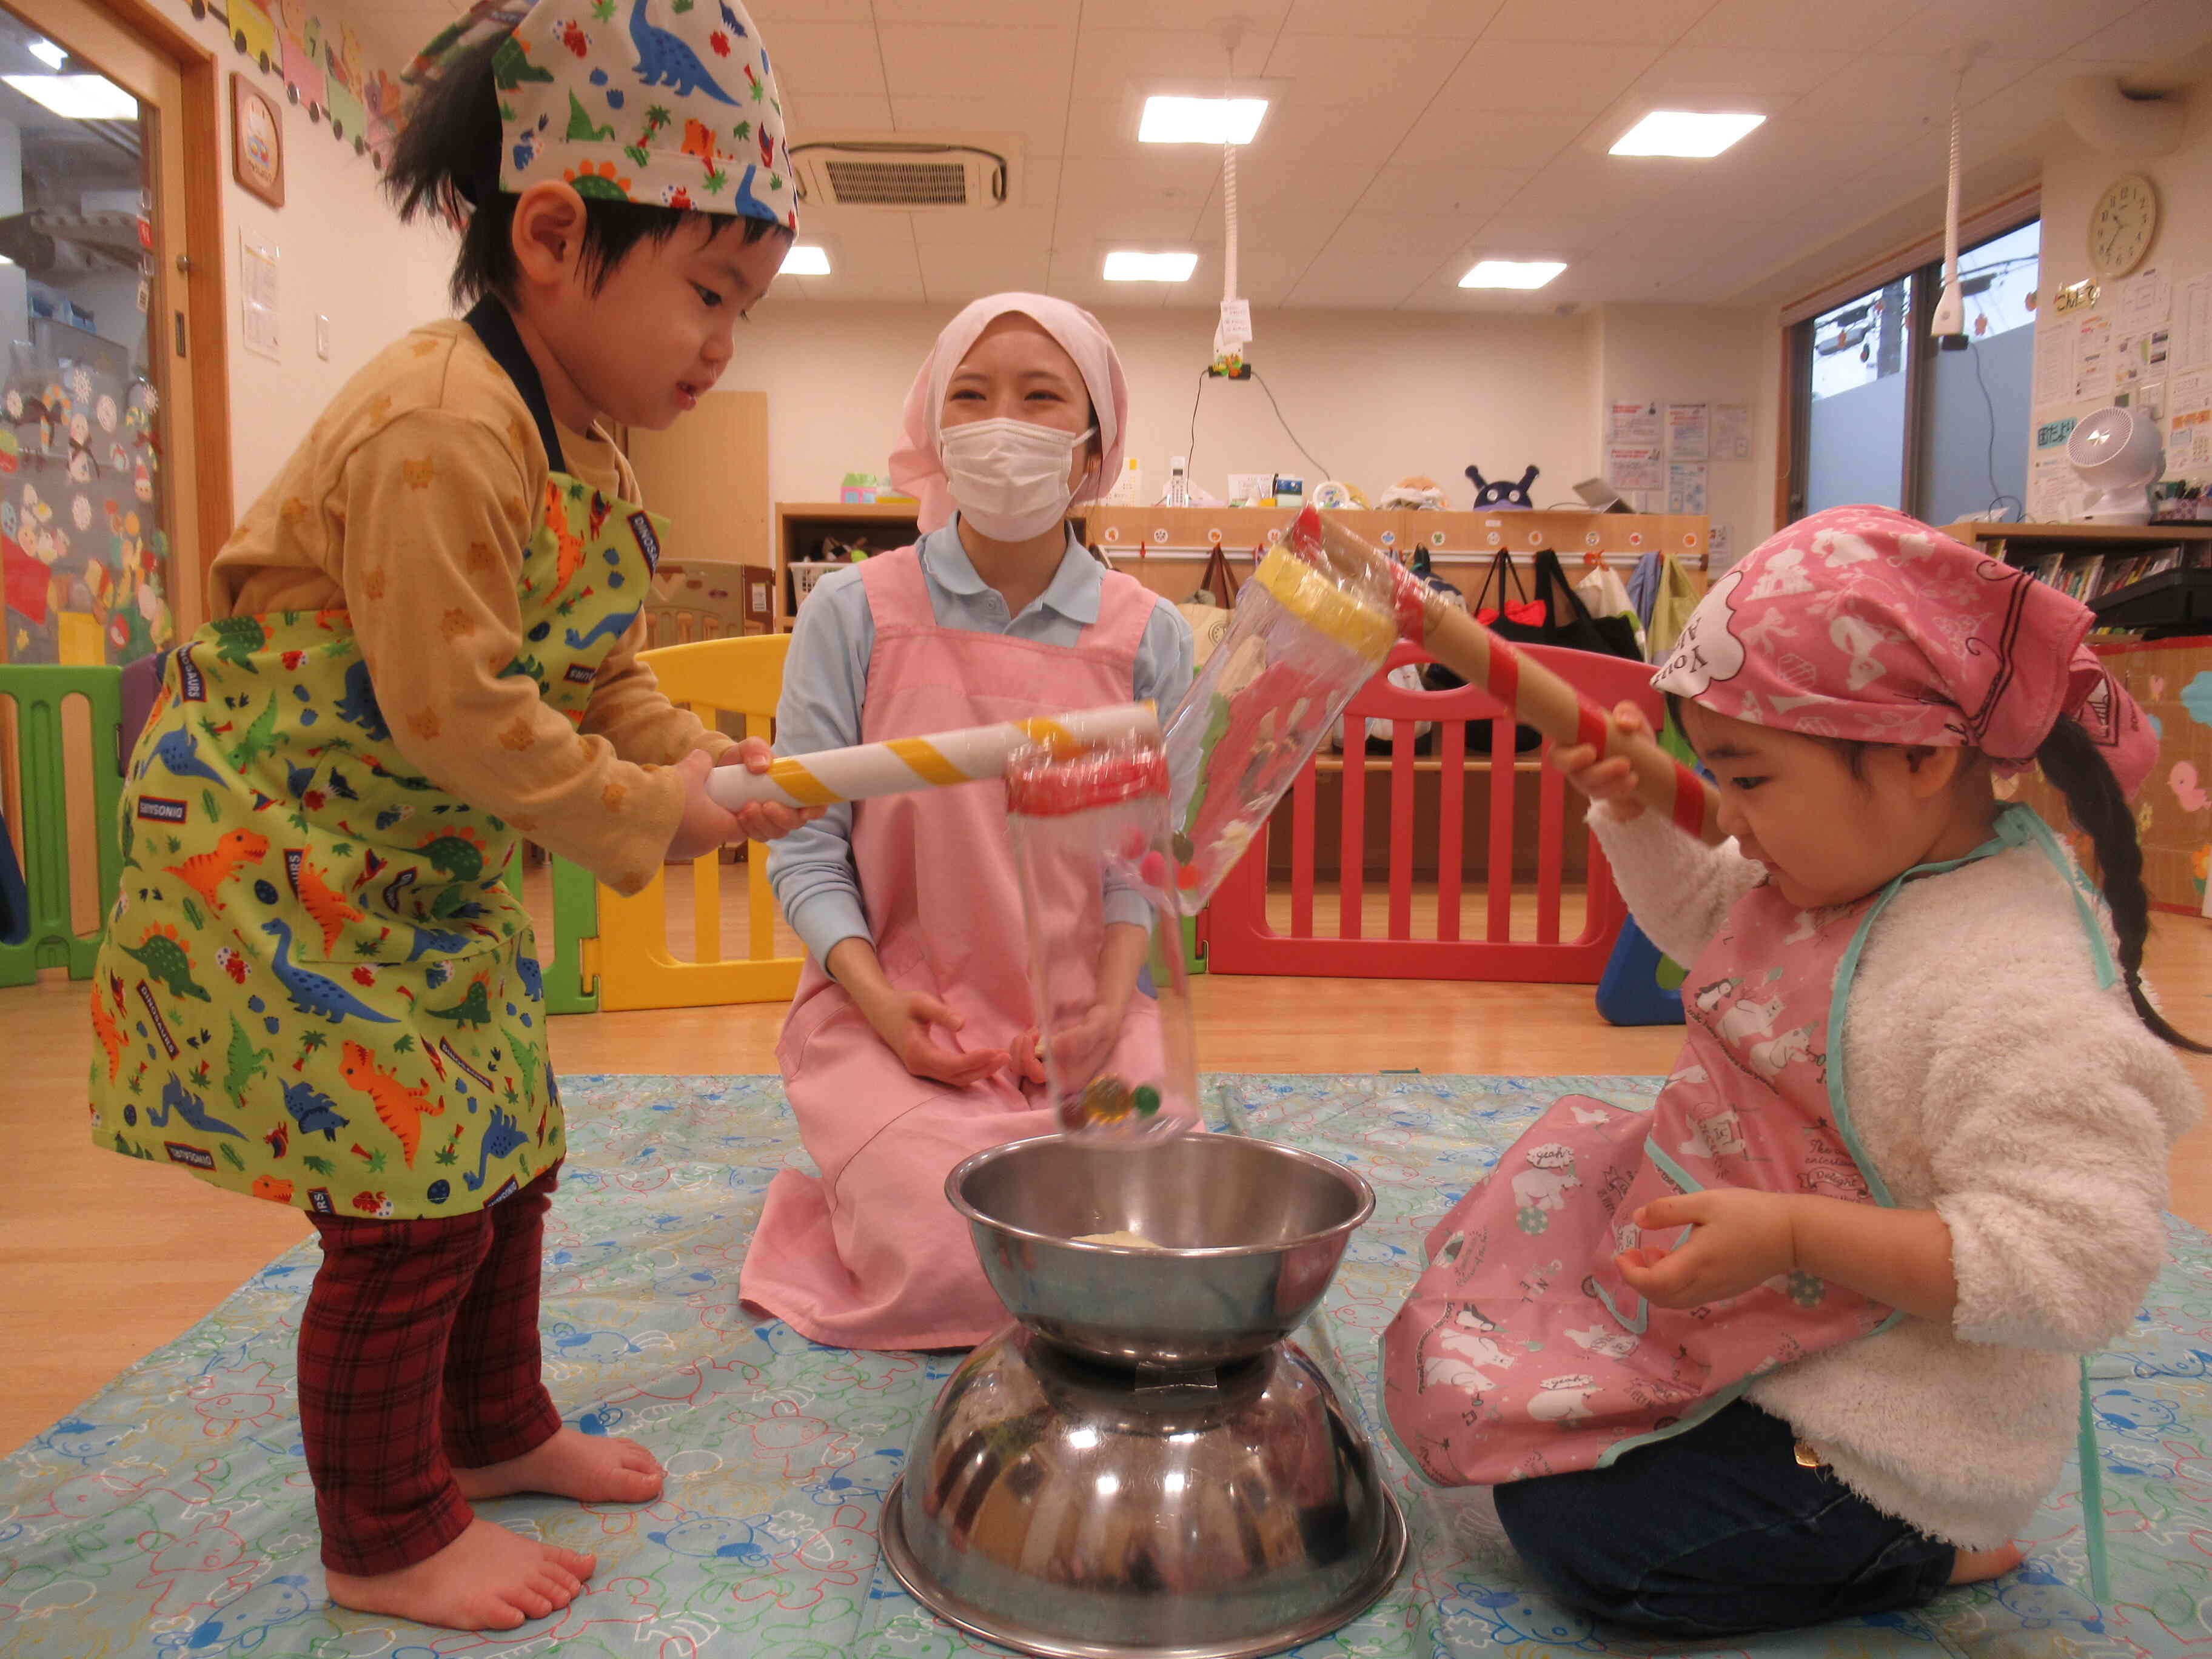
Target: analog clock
2122,225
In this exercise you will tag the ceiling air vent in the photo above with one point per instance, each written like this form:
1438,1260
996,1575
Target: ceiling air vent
910,174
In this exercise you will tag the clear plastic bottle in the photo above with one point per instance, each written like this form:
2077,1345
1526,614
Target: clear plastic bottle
1305,637
1092,844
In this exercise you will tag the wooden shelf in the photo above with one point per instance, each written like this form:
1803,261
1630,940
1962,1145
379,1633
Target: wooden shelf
1158,530
2138,535
852,512
800,522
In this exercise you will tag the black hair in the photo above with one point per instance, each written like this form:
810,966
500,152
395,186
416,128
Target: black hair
446,162
2075,767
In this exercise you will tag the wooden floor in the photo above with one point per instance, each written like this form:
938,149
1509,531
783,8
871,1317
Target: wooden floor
102,1261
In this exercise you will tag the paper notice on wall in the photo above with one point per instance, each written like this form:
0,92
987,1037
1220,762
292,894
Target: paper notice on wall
2054,360
2053,433
2146,300
1634,425
1731,432
2093,360
2189,447
1689,432
2140,358
1686,487
258,294
2189,426
1635,466
2053,488
2192,323
2051,482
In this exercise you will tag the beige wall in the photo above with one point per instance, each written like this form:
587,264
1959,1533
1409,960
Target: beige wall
340,254
2075,176
1375,396
1694,353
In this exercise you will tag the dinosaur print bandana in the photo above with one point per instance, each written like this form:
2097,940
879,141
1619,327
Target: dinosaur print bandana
1862,623
657,101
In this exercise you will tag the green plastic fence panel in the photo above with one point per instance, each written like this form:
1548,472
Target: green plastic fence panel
49,860
1193,959
576,919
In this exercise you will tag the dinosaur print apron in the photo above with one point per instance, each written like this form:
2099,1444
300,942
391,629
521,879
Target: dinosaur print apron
315,986
1521,1351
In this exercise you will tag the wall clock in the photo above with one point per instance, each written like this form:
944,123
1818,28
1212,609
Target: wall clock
2123,225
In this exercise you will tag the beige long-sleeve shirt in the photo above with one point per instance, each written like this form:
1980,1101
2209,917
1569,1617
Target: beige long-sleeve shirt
408,505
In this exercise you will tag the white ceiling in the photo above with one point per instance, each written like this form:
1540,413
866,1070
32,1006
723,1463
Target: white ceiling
1411,137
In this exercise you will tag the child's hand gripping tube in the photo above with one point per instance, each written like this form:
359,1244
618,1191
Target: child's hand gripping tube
869,769
1091,847
1535,695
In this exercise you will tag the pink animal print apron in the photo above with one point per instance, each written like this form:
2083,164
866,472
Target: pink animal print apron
1522,1351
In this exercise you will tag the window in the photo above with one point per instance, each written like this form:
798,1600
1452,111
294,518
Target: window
1886,417
1974,433
1855,422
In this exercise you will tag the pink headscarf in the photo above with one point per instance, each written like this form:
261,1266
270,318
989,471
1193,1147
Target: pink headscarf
1859,622
916,465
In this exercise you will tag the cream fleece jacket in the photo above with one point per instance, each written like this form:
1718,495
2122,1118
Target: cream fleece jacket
1991,1080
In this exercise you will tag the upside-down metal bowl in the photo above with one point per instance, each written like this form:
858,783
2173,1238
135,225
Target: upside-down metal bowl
1251,1233
1084,1511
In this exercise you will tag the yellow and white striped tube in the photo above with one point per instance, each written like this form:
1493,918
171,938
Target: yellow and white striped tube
890,768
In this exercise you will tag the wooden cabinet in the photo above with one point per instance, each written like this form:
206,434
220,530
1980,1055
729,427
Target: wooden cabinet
1166,547
802,527
708,475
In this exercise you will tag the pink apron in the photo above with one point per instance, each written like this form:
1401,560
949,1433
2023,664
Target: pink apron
1522,1351
870,1255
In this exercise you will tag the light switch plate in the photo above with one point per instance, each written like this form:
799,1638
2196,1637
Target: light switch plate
323,337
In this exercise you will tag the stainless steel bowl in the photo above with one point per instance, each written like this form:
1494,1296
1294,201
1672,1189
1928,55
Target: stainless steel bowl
1252,1234
1069,1510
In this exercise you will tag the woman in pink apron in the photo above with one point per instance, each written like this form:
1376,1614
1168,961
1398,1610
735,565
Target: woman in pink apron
1799,1340
912,1041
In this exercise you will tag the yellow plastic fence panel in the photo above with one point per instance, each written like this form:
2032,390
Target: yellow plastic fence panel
637,968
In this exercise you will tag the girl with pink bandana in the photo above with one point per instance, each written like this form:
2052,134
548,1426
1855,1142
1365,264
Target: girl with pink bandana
912,1040
1810,1331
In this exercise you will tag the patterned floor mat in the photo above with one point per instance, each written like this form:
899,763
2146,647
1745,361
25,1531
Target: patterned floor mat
171,1516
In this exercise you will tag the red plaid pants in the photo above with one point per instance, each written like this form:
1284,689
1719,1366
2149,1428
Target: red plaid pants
419,1353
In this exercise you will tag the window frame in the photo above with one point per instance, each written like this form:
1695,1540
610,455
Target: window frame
1920,265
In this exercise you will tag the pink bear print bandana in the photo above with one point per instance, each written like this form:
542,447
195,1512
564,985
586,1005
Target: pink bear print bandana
1862,623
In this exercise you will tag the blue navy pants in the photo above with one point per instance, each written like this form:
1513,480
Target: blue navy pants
1719,1532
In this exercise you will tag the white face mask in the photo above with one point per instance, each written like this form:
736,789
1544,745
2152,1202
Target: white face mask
1010,476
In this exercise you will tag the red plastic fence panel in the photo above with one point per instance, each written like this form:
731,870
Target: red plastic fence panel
1469,943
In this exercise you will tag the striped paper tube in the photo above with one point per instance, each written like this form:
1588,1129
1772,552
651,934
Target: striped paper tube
868,769
1536,695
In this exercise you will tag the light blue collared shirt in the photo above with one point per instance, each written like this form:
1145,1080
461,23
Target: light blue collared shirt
825,686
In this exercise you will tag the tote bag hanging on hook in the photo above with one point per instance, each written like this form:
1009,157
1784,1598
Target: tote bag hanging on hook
1547,612
1207,609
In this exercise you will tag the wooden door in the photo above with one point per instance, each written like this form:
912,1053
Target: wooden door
145,495
708,475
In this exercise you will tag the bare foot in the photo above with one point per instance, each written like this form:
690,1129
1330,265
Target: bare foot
488,1578
1979,1566
589,1467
